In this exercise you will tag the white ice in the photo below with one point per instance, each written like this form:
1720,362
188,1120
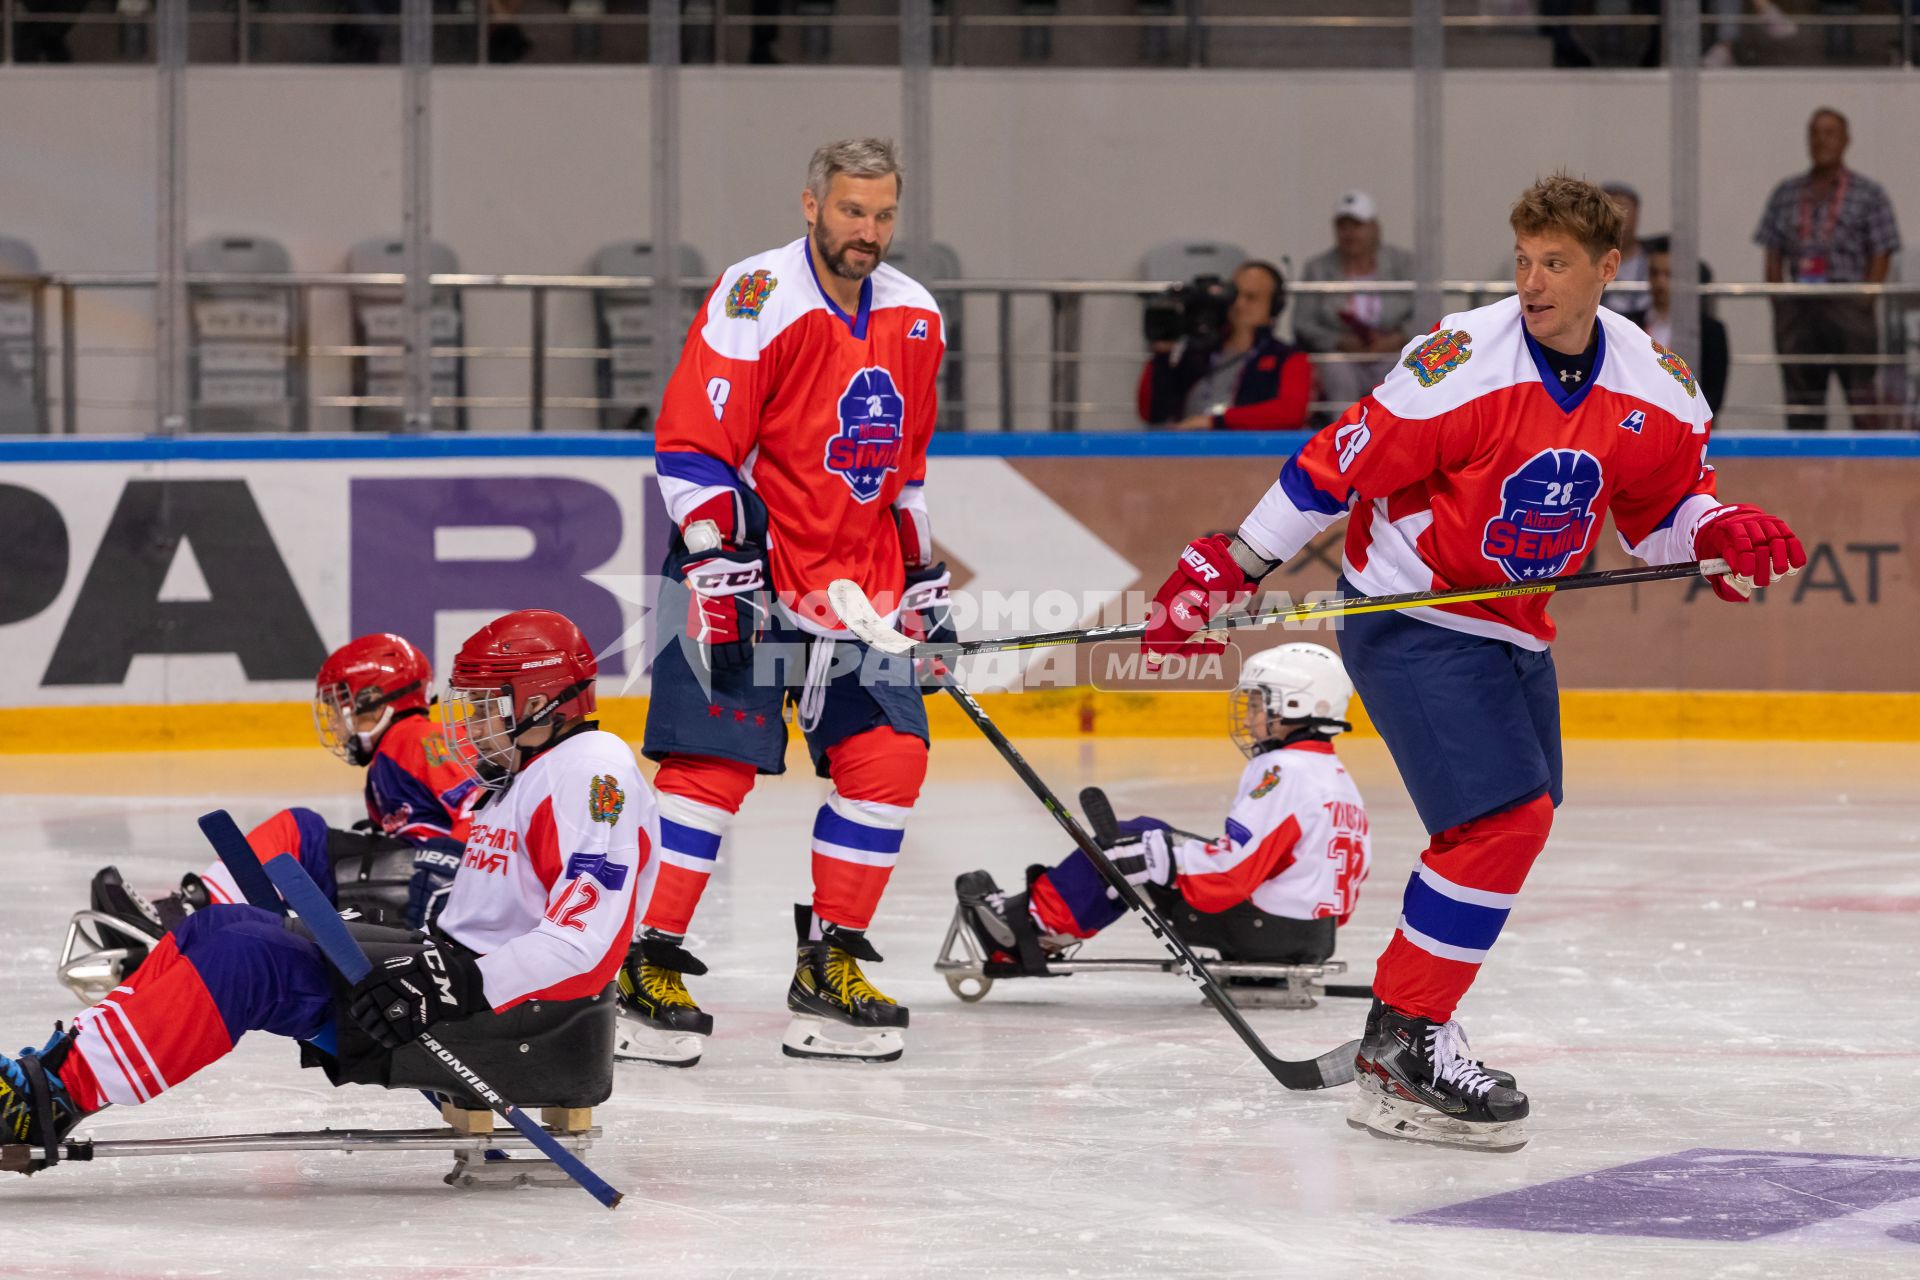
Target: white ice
1718,949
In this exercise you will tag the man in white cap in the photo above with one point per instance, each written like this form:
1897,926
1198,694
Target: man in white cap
1367,328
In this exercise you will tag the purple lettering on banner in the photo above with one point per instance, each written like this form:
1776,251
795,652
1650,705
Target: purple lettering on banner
1702,1194
398,584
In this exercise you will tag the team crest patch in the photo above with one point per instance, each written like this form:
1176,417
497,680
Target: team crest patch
1268,781
1439,356
605,799
1546,514
1677,368
749,294
872,430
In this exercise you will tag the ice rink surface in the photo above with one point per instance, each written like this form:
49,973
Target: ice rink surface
1716,955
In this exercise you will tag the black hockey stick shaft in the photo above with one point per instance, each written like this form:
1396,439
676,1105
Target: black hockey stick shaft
1337,607
1334,1067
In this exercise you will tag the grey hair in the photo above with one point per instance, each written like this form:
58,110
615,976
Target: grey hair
855,157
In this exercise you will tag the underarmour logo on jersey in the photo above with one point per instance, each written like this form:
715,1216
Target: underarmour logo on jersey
1571,375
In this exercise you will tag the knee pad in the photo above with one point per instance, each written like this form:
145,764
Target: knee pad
1500,846
881,765
708,780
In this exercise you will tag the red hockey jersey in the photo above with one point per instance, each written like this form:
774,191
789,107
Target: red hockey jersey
824,415
1470,464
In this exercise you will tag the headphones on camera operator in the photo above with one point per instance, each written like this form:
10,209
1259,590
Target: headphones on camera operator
1196,311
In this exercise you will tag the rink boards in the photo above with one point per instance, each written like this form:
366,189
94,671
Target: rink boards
183,592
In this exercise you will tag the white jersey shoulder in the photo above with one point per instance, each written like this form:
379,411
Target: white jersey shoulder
1471,354
758,298
1638,367
893,287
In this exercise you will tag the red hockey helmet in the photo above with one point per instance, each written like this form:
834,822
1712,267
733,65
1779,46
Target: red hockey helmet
496,675
362,686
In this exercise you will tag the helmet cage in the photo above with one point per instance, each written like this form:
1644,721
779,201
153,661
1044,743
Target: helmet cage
1261,716
483,726
335,707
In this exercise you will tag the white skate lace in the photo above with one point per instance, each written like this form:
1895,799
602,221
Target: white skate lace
1449,1048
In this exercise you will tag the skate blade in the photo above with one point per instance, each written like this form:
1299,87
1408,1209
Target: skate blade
637,1041
1399,1120
818,1039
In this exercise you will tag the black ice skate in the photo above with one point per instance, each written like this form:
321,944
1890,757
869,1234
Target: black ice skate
108,941
1417,1084
838,1014
1003,926
36,1114
658,1019
1502,1078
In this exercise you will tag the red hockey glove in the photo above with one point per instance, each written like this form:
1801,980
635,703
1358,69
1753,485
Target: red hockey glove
723,614
1756,546
1204,583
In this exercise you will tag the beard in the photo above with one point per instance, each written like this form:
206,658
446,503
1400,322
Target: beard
836,259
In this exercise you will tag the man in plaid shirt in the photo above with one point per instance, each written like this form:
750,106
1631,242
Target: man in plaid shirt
1828,225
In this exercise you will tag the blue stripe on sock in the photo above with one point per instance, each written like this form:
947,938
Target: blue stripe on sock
1458,924
834,829
690,841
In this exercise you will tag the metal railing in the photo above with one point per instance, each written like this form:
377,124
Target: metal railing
1038,331
1184,34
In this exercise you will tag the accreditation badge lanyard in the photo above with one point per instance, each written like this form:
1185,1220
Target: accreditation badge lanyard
1813,268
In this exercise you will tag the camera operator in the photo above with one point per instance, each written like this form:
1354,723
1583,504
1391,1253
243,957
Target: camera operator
1216,361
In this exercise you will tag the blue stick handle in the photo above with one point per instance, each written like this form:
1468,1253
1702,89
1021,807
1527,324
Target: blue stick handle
336,942
224,834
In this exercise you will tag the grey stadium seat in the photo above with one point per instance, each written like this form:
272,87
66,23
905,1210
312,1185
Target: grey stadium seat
623,320
244,377
378,320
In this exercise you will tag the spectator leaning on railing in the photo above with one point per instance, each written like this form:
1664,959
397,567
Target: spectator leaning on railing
1355,323
1243,379
1711,360
1633,255
1828,225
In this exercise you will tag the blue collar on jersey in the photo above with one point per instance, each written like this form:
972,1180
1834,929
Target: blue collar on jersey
1568,400
857,322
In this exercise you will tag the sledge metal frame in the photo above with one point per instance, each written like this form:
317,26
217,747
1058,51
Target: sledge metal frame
479,1159
963,962
90,961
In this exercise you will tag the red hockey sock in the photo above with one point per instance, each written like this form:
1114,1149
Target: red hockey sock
857,832
699,795
1455,906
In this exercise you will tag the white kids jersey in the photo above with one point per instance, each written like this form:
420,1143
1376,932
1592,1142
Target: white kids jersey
545,890
1296,841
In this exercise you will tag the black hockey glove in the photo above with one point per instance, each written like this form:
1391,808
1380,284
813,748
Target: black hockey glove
1141,852
926,613
727,586
408,993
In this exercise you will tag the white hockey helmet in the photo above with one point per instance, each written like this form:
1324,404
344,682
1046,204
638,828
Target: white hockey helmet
1299,682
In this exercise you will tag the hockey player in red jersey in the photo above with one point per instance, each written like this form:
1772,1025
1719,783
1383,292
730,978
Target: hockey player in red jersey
541,909
1272,888
370,708
791,451
1493,451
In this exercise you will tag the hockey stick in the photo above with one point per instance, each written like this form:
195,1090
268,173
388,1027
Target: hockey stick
337,943
1334,1067
237,856
865,621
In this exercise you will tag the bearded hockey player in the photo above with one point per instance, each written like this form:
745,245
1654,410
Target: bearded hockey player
370,709
1273,888
541,909
791,451
1493,451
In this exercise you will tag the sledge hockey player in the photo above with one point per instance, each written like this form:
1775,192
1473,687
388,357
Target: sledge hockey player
791,451
1272,889
370,708
1492,452
541,910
